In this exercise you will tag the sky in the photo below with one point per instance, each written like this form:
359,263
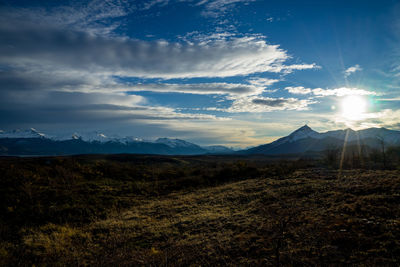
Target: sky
230,72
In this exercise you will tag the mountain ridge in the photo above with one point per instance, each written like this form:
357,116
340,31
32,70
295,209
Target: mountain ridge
306,139
302,140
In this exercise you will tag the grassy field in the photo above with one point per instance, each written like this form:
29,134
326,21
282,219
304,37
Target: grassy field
179,211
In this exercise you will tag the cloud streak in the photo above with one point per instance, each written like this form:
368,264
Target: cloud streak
200,88
53,48
76,39
319,92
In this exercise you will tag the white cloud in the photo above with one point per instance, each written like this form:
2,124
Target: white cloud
291,68
319,92
388,118
86,82
264,82
342,91
200,88
224,56
352,70
300,90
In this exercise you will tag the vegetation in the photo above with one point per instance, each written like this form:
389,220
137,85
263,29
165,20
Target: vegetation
204,210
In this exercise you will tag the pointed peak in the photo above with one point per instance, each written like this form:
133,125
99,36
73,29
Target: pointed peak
304,128
349,130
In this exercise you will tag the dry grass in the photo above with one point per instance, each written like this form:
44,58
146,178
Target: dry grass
310,217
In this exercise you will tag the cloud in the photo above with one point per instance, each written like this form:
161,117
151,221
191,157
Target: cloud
86,108
149,4
95,17
271,102
264,82
200,88
389,99
342,91
319,92
14,80
291,68
352,70
268,104
36,79
215,8
300,90
389,118
48,47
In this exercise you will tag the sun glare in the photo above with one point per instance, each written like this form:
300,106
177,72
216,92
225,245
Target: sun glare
353,107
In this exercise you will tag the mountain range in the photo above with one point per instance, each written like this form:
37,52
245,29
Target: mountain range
303,140
33,142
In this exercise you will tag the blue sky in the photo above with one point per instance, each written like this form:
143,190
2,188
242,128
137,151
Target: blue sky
233,72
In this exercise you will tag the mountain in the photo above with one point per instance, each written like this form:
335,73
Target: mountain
46,146
18,133
181,146
32,142
305,140
218,149
186,147
176,143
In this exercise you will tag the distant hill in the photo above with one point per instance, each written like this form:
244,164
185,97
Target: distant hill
305,140
219,149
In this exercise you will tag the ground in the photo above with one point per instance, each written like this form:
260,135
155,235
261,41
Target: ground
307,216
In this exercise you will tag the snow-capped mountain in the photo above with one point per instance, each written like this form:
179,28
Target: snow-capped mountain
32,142
33,133
85,136
175,142
18,133
181,146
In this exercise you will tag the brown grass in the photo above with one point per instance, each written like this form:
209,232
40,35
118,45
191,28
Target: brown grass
310,217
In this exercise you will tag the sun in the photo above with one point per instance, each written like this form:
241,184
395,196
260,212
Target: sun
353,107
